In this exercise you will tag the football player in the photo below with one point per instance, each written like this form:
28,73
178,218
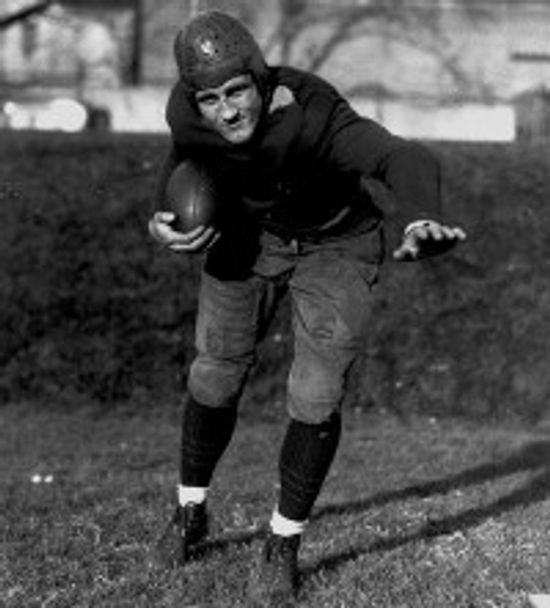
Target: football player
292,158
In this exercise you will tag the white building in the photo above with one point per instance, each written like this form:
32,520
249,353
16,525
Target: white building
445,69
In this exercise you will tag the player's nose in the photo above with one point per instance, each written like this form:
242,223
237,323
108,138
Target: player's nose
228,111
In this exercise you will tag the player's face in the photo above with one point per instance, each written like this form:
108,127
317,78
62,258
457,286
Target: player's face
232,109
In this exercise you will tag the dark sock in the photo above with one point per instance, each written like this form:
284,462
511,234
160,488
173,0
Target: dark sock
306,455
206,432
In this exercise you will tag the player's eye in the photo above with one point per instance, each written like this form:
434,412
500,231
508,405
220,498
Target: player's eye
238,91
207,99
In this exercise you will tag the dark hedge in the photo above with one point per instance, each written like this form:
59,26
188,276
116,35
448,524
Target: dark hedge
91,308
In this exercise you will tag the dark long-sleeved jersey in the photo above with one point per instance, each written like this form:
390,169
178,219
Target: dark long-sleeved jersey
306,163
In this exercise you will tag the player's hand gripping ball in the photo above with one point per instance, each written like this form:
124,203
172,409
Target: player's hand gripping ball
192,196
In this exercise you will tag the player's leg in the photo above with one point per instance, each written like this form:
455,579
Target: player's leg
226,334
332,300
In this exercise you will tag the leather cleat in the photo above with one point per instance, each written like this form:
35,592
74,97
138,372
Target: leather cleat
184,538
275,582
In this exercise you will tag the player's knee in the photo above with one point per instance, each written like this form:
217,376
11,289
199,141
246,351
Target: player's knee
311,412
314,392
217,382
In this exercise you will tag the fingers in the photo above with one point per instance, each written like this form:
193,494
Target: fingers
440,232
426,239
458,233
159,226
436,231
408,250
197,240
446,233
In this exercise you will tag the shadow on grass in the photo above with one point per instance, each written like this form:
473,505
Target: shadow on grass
234,538
533,457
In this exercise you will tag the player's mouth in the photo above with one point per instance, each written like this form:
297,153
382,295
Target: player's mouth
238,130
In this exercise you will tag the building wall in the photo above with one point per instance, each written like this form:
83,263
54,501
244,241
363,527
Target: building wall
433,49
434,69
63,44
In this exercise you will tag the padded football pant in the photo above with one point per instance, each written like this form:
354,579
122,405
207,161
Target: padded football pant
330,286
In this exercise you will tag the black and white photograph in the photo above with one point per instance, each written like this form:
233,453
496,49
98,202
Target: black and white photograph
274,307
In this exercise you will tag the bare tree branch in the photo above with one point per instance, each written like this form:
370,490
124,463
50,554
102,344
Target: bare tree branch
418,28
23,14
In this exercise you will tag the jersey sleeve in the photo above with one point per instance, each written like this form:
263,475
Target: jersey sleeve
407,168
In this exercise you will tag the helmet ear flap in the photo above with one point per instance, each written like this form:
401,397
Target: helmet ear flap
214,47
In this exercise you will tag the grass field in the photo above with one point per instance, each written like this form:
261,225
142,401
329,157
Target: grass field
423,514
95,337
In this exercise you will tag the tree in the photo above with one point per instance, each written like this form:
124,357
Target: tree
415,25
23,14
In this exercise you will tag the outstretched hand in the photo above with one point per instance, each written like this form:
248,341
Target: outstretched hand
427,238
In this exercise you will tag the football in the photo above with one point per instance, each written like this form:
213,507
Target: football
191,194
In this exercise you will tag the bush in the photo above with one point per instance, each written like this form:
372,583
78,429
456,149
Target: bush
468,333
91,308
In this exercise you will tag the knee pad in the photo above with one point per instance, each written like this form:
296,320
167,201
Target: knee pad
311,413
314,394
216,382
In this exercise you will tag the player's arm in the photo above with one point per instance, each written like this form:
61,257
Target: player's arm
408,169
161,222
414,176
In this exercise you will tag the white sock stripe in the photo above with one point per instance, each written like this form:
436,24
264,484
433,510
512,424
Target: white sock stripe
188,494
282,526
